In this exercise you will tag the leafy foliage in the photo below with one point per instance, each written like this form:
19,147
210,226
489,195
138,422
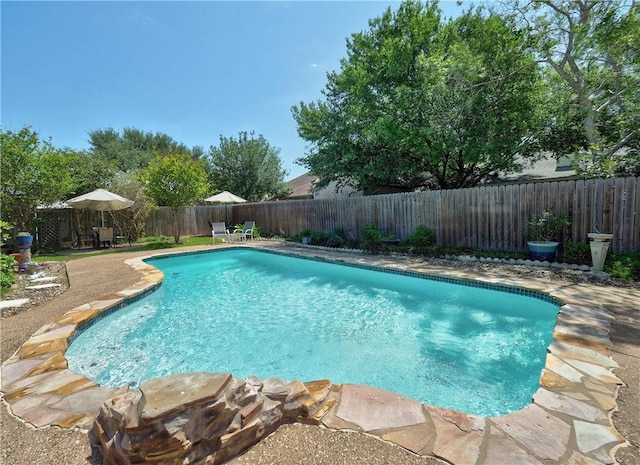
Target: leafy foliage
131,221
177,181
247,166
422,237
7,262
547,227
591,51
371,238
134,149
7,274
421,104
624,265
577,252
33,173
89,172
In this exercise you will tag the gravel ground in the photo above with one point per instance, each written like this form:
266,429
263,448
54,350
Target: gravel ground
93,277
37,296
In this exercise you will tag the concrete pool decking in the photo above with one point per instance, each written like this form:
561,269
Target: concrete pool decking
568,421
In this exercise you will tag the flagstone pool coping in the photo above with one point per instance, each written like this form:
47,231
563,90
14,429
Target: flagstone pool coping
568,421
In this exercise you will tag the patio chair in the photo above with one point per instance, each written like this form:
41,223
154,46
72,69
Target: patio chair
247,230
105,237
218,230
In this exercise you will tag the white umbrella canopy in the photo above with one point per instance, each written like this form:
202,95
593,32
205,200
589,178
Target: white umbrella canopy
101,200
225,197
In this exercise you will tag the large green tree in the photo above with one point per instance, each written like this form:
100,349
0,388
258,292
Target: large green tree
248,166
132,221
591,49
419,103
134,149
33,173
176,181
87,173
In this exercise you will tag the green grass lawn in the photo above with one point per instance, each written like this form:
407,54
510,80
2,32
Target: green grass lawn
147,243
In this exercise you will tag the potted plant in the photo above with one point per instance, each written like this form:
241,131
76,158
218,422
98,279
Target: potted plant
544,234
305,236
390,239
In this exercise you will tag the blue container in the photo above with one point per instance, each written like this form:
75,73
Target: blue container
543,250
24,241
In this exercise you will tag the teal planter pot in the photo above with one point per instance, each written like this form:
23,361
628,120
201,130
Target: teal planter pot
24,241
542,250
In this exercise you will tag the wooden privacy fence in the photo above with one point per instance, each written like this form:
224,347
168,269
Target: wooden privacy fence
489,217
194,221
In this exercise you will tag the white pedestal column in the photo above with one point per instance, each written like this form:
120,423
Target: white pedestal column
598,254
599,248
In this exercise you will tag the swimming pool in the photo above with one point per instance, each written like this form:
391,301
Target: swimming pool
249,312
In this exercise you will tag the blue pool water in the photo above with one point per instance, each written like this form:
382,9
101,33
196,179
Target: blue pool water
248,312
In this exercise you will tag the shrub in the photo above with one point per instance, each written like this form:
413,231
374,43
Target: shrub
624,265
422,237
7,275
577,252
546,227
318,238
334,239
371,238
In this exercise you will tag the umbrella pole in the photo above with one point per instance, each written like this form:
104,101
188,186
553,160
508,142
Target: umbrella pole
102,216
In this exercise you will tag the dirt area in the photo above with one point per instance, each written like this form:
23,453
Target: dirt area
90,278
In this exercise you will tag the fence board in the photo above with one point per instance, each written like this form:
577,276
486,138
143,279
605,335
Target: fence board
487,217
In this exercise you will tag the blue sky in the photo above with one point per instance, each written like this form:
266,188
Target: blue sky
192,70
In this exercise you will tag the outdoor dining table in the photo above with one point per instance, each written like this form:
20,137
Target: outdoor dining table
236,236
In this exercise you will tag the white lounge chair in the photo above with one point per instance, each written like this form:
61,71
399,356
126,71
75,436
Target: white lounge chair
218,230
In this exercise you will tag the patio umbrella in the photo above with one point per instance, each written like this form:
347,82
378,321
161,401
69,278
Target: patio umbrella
225,197
101,200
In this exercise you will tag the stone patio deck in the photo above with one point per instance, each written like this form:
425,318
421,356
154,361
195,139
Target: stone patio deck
568,421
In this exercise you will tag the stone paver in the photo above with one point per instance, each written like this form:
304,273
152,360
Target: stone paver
43,286
44,279
504,451
372,408
13,303
568,421
565,404
537,430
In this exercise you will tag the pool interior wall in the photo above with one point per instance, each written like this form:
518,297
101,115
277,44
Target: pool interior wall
421,336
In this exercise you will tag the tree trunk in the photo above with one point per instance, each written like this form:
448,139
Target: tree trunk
176,225
77,226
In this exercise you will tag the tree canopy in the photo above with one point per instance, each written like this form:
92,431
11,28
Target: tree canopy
591,49
134,149
33,173
176,181
132,221
247,166
419,103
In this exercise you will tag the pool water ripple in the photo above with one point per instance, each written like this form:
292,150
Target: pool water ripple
255,313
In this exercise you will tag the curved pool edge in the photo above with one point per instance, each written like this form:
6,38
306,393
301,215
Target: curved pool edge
568,420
